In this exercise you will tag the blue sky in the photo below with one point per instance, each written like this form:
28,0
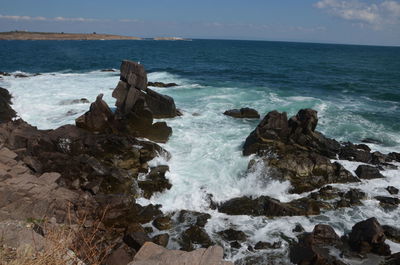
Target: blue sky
375,22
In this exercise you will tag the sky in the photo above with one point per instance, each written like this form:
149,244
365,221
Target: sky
369,22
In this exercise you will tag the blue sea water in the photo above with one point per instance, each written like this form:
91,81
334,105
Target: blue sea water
355,89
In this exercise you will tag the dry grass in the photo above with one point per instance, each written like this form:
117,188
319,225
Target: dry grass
73,244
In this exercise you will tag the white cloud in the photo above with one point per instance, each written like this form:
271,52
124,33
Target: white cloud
375,15
29,18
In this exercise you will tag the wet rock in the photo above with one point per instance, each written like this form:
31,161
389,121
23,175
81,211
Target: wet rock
352,197
74,101
394,156
121,255
235,244
134,74
6,112
233,235
371,141
108,70
20,75
135,236
393,259
368,236
392,190
162,223
389,203
193,218
161,106
161,239
392,233
243,113
353,152
161,84
368,172
98,119
195,235
312,248
5,74
267,245
268,207
155,181
298,228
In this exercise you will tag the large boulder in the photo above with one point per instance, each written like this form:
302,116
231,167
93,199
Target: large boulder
6,112
368,172
369,236
293,150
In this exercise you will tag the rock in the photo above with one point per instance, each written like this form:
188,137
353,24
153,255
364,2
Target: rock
292,150
108,70
135,237
355,153
392,233
243,113
371,141
161,106
392,190
74,101
235,244
161,84
389,203
394,156
368,172
152,254
155,182
134,74
161,239
267,206
233,235
5,74
193,218
122,255
298,228
312,248
195,235
20,75
267,245
98,119
392,259
6,112
368,236
162,223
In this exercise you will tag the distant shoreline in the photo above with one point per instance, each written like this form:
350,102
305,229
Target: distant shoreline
26,35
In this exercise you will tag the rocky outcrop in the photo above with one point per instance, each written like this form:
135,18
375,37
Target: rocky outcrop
161,84
152,254
292,150
368,172
137,107
6,112
243,113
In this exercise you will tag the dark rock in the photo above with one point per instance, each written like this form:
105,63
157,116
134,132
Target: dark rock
392,259
353,152
394,156
312,247
368,236
392,190
195,235
235,244
243,113
20,76
135,237
298,228
392,233
155,181
162,223
193,218
233,235
6,112
368,172
122,255
161,106
108,70
161,239
74,101
388,203
134,74
98,119
267,245
5,74
161,84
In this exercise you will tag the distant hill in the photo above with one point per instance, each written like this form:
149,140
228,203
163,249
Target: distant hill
26,35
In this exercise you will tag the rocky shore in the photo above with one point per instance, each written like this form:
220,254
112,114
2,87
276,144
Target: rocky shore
87,178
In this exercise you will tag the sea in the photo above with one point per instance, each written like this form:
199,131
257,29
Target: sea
355,89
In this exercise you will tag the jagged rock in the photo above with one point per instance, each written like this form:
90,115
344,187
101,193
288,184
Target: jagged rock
161,239
368,172
371,141
368,236
293,150
268,207
392,259
134,74
161,84
243,113
353,152
267,245
312,247
19,75
195,235
235,244
135,237
233,235
388,203
122,255
108,70
152,254
6,112
392,190
98,119
394,156
155,181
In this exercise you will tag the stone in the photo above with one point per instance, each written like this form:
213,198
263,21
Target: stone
161,239
392,233
120,256
195,235
266,245
392,259
389,203
135,237
368,172
6,112
233,235
162,223
368,236
243,113
162,106
161,84
355,153
392,190
193,218
134,74
152,254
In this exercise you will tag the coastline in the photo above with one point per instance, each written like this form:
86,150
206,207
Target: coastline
20,35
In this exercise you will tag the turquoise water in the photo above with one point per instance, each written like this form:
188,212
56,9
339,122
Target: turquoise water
356,90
